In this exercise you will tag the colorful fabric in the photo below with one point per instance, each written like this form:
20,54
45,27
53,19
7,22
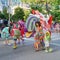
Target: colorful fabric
47,36
50,20
39,34
5,32
16,34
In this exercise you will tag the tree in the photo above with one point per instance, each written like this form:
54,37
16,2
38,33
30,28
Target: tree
2,16
18,14
29,1
27,12
5,13
36,7
55,10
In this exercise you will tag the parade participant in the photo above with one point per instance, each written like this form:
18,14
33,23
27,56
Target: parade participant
38,36
47,39
5,33
57,27
21,28
15,35
22,34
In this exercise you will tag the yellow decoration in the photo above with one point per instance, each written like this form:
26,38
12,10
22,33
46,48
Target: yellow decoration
28,34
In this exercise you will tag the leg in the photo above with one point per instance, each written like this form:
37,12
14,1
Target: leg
46,49
15,45
6,41
18,40
50,49
22,40
46,46
36,46
43,45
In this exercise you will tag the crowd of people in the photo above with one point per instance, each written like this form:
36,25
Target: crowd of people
42,38
42,35
56,27
14,31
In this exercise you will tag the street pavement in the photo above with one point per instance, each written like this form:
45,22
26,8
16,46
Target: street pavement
27,52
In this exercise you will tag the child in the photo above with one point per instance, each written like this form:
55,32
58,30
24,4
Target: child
38,36
21,28
5,34
15,33
47,39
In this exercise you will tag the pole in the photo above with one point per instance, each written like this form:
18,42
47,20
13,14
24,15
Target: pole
9,2
9,19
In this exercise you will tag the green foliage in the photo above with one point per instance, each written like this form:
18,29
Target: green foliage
2,16
5,13
57,7
28,1
19,14
14,18
4,10
56,15
27,12
36,7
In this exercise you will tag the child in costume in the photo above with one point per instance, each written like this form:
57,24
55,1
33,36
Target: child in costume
38,36
21,28
5,33
15,33
47,39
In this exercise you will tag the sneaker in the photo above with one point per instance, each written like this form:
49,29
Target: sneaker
14,47
50,50
9,44
37,50
46,51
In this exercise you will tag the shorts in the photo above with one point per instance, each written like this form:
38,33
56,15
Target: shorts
15,39
46,43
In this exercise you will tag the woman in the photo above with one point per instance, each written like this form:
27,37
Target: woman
38,36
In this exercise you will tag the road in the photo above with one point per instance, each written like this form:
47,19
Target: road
27,52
